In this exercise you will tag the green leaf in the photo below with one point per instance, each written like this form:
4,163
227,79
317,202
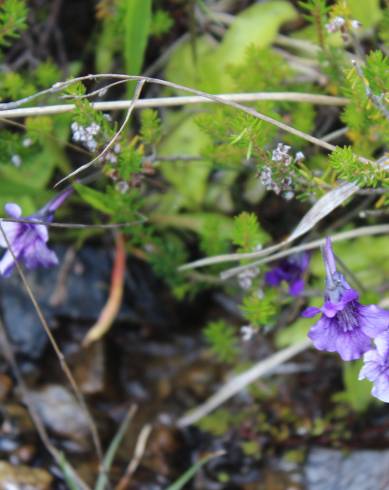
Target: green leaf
221,337
258,24
247,234
190,473
137,19
102,481
96,199
205,68
356,393
259,310
188,179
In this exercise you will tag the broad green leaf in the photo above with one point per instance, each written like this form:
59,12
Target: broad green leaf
258,25
189,179
192,65
294,333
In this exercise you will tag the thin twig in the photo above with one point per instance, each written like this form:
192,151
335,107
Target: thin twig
236,384
139,451
56,455
53,224
57,350
113,105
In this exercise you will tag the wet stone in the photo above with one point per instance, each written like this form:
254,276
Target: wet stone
329,469
23,478
61,414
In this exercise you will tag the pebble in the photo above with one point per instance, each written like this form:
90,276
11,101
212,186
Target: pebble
23,478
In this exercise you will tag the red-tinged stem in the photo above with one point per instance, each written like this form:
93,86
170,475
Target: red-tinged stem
111,308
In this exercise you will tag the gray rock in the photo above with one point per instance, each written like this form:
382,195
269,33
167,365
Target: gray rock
331,469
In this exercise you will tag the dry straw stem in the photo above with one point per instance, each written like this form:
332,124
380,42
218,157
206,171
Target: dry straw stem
57,350
139,451
114,105
237,383
265,253
249,110
345,235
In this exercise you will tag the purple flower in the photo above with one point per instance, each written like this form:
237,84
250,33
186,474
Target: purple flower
28,240
345,326
376,367
290,270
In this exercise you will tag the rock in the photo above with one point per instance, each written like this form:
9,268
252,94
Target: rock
23,478
329,469
21,321
80,294
61,413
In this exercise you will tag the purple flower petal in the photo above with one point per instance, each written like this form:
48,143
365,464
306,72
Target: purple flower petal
296,287
13,210
311,311
27,241
12,230
55,203
331,309
290,270
7,264
327,335
371,367
373,320
323,334
352,345
381,388
38,254
382,344
273,277
349,295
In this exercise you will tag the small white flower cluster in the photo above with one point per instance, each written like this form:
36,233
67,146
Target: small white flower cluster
337,23
86,135
282,157
245,278
281,154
